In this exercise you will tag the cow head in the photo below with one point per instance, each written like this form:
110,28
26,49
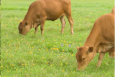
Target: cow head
84,55
24,27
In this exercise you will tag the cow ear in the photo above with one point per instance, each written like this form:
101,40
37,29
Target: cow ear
26,23
77,48
90,49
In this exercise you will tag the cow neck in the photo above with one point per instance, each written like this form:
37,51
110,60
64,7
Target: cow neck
91,40
27,19
28,16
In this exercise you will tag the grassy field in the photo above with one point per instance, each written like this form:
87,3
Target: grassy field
51,54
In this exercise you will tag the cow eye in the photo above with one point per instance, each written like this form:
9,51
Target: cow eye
21,29
83,58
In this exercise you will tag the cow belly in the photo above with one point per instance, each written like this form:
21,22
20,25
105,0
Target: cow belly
54,16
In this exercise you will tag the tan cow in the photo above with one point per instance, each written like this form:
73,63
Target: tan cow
100,40
42,10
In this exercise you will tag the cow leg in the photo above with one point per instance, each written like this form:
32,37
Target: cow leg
63,22
70,22
36,28
112,53
42,25
101,56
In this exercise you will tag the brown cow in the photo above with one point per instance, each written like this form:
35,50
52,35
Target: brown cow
100,40
42,10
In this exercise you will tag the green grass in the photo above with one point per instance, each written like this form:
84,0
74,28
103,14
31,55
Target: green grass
51,54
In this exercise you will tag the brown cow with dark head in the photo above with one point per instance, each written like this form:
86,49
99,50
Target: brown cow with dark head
100,40
42,10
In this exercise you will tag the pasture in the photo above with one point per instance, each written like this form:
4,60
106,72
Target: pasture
51,54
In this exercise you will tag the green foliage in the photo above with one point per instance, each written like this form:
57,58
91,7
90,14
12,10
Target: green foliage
51,54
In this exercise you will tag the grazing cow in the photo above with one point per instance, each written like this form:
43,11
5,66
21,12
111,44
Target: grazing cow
42,10
100,40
